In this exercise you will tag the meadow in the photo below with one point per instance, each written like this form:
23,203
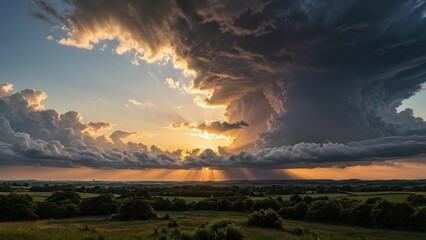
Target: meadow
102,228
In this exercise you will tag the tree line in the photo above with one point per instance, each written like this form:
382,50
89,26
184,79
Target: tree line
374,212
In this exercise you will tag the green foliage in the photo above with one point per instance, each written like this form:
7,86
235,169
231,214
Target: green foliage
65,210
266,204
16,208
135,209
417,200
218,230
178,204
65,196
45,210
300,210
100,205
224,205
161,204
324,211
264,218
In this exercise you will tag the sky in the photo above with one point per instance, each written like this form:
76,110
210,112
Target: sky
212,90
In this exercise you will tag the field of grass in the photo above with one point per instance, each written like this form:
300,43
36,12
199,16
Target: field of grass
41,196
93,228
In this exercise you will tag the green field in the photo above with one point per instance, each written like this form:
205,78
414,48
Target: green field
92,228
41,196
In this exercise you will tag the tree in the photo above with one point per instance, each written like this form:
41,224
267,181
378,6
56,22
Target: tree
15,207
178,204
65,210
135,209
61,196
300,210
161,204
224,205
308,199
296,199
360,214
324,211
99,205
45,210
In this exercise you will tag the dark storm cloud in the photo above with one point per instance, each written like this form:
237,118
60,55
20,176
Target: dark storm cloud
302,73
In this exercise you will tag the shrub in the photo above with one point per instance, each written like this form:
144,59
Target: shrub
264,218
218,230
201,234
135,209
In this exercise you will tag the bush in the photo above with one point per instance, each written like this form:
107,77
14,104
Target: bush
218,230
16,208
264,218
178,204
100,205
135,209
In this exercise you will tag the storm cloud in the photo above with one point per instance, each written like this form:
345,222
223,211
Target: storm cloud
318,81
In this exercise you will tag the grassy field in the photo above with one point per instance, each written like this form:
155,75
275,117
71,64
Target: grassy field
41,196
93,228
390,196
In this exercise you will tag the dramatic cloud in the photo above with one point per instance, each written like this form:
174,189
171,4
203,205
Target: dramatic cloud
61,140
318,81
321,70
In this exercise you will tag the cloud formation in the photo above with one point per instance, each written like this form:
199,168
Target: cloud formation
320,70
318,81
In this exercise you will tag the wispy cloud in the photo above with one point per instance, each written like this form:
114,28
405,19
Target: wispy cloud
141,104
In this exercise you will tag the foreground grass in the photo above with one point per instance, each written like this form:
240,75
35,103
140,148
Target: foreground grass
101,228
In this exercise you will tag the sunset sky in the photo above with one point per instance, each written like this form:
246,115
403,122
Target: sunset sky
212,90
